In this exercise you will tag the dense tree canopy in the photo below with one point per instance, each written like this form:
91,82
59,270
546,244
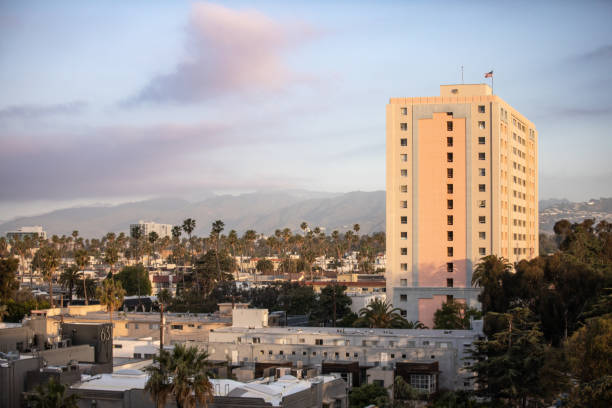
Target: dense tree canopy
134,280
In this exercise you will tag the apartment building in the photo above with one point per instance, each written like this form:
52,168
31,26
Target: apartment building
372,352
147,227
462,183
32,232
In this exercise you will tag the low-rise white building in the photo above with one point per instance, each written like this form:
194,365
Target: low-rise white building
369,349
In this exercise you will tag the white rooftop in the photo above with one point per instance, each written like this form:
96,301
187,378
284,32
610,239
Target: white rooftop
121,380
270,391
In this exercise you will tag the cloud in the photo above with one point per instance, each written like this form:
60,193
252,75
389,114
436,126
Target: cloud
600,54
117,161
37,111
229,52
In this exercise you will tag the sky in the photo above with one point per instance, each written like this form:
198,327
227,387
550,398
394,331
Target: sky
114,101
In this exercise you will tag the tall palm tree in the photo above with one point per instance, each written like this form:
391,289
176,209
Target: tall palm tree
163,298
188,226
111,256
68,279
182,373
52,395
380,314
81,258
48,261
215,235
111,294
232,240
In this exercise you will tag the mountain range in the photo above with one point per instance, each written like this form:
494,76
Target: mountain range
265,212
262,211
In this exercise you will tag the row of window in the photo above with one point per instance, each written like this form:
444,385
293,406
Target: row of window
519,167
520,237
449,142
518,194
519,223
519,139
519,153
519,208
519,181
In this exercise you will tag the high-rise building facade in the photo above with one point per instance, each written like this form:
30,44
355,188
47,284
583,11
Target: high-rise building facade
462,183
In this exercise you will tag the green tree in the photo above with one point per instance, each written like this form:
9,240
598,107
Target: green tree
206,269
52,395
8,279
135,280
509,366
182,374
594,394
333,304
264,266
368,394
454,316
380,314
111,295
590,350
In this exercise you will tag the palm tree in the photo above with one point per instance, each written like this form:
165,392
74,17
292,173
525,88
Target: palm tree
381,315
47,260
232,240
488,275
111,294
215,234
182,373
85,285
188,226
81,258
52,395
163,298
111,256
417,324
68,278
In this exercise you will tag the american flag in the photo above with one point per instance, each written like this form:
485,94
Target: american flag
489,74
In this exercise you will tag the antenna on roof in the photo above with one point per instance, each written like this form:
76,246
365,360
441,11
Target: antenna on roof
462,74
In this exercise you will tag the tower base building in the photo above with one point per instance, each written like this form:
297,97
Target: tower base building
462,183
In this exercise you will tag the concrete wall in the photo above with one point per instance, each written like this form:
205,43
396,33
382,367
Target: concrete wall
255,318
12,380
62,356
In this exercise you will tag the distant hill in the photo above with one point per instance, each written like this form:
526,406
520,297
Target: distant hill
554,210
265,212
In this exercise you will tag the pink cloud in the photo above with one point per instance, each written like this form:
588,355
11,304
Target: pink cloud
230,51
